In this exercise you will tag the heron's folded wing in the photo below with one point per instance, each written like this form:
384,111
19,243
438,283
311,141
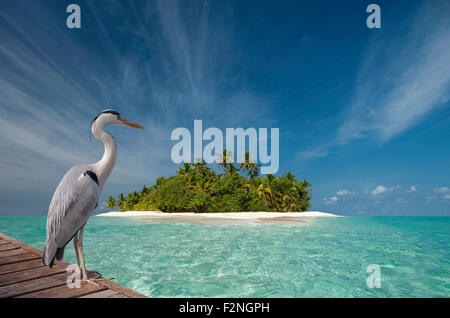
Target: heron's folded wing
74,200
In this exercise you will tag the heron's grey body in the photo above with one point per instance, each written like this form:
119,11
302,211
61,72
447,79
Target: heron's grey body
74,200
78,193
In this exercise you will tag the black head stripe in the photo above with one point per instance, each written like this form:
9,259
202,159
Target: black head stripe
107,111
110,111
92,175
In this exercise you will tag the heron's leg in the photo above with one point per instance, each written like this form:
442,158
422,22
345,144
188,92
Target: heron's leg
75,245
80,251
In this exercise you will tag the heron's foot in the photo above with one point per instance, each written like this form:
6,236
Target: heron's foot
97,281
93,275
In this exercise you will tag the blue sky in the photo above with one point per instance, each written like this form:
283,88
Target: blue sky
363,113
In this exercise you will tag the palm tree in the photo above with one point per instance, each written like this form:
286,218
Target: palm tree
200,166
186,170
121,202
253,170
225,159
267,193
289,176
245,165
111,203
231,169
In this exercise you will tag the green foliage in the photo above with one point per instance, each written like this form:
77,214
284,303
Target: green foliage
197,188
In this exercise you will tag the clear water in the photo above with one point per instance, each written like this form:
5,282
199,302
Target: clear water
326,257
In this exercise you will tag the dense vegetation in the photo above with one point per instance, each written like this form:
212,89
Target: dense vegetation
197,188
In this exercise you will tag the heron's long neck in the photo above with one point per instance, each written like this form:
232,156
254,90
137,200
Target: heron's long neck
105,165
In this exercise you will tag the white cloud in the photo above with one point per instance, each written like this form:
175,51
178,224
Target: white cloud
442,190
335,199
380,189
342,192
51,87
401,79
313,154
331,200
412,189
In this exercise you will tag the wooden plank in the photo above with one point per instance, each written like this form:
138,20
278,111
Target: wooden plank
120,289
105,294
21,244
33,285
13,252
22,276
8,246
63,291
17,258
30,249
32,278
17,267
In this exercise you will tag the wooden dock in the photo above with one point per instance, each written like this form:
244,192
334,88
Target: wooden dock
23,275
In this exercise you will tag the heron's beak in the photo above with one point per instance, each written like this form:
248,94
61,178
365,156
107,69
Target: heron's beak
131,124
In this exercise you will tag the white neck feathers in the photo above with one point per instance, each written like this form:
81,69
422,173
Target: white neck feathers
104,167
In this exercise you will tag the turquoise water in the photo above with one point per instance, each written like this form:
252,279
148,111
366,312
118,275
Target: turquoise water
326,257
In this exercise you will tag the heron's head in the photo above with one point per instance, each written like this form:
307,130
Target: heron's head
111,117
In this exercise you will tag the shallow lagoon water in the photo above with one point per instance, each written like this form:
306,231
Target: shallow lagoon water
321,257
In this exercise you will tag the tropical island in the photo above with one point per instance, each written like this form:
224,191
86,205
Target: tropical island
198,188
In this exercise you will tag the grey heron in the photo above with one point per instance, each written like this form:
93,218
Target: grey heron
78,193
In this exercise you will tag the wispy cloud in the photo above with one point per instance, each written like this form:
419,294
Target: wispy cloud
401,80
402,77
312,154
412,189
159,65
335,198
343,192
380,190
331,200
442,190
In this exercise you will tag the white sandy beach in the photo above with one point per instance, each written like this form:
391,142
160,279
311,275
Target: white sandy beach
222,218
222,215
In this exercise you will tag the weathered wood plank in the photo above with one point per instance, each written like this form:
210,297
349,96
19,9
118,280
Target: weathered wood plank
105,294
17,258
32,285
120,289
17,267
3,241
65,292
8,246
13,252
30,249
20,244
22,276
